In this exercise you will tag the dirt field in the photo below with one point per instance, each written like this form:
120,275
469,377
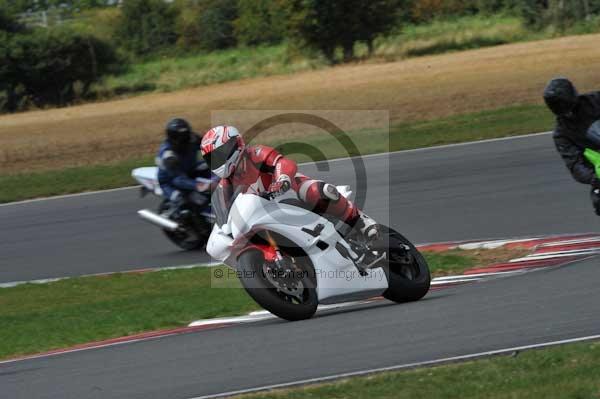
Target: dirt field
415,89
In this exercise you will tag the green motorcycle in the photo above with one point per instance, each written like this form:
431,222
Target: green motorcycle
594,158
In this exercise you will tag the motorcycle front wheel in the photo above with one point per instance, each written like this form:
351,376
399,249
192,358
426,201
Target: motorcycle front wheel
291,306
409,278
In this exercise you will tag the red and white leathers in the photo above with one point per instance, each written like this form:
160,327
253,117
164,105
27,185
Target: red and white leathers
260,168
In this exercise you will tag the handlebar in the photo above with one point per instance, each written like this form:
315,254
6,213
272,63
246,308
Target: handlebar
267,195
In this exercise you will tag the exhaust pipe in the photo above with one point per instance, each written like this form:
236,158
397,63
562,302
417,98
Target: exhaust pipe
158,220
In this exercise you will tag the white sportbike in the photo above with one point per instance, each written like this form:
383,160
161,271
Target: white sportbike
290,259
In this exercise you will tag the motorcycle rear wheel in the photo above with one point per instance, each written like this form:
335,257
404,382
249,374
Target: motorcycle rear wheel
189,240
252,277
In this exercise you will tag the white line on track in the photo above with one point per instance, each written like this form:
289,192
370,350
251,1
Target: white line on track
87,348
433,148
439,147
454,359
84,194
12,284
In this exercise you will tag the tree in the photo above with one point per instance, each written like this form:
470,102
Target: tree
9,27
51,66
216,21
146,26
8,21
330,24
379,17
40,5
426,10
207,24
558,13
260,21
71,60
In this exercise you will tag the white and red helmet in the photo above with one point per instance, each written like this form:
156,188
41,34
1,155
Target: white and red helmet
222,147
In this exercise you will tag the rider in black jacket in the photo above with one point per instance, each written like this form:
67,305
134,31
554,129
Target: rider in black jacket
575,114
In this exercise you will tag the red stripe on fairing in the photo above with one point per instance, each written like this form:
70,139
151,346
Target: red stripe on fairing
120,340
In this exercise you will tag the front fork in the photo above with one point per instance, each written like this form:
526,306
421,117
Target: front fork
284,275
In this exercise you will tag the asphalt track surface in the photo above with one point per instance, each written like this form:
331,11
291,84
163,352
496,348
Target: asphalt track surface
496,189
533,308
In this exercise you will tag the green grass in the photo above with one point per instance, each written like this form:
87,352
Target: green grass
450,263
504,122
41,317
565,372
462,33
174,73
170,73
456,129
38,317
22,186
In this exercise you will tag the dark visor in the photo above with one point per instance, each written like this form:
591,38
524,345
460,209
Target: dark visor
217,158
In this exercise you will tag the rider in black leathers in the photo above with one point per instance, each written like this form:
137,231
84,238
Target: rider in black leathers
575,114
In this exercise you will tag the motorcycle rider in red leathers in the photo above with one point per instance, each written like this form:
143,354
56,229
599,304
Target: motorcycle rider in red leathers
262,169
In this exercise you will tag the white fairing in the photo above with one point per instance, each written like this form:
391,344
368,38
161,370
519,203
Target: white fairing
219,245
148,177
336,275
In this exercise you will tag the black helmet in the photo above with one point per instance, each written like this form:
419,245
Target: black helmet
179,133
560,96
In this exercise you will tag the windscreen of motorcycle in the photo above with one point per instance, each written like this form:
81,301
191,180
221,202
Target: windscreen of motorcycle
221,204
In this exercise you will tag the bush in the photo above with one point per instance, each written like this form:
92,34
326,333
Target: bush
9,26
146,26
100,22
207,24
559,14
217,24
39,5
260,22
8,21
51,67
426,10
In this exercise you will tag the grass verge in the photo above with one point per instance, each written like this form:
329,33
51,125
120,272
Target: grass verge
437,37
175,73
39,317
169,74
67,181
455,129
561,372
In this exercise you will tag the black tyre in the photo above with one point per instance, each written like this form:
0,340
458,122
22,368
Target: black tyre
189,239
408,272
253,277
